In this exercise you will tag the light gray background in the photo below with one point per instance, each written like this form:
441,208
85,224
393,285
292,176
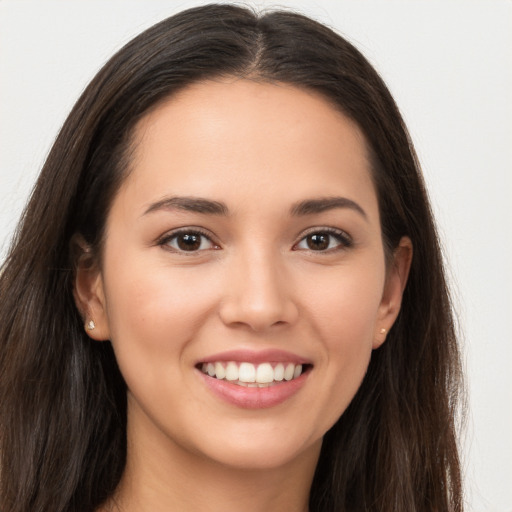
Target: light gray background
449,66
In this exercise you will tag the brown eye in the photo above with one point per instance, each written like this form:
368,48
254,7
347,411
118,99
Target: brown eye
188,241
318,241
323,241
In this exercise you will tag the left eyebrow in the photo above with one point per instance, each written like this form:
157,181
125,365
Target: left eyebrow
312,206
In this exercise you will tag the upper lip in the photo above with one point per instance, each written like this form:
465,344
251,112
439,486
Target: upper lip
256,357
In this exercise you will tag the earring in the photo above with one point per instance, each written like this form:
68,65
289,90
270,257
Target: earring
90,325
383,331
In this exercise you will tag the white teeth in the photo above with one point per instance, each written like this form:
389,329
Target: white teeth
279,372
247,372
231,371
289,371
220,371
250,375
265,373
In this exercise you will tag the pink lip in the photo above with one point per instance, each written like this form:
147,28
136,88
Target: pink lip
254,398
255,357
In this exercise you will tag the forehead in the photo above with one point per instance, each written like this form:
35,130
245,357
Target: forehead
240,138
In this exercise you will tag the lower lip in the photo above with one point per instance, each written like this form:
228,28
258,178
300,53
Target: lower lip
254,398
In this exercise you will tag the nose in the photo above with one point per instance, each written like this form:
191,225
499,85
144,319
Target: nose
258,294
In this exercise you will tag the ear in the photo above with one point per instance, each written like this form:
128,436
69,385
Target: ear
88,291
396,280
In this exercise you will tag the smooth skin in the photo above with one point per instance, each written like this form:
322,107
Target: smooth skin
261,271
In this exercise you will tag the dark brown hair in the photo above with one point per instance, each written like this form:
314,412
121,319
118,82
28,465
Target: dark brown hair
62,398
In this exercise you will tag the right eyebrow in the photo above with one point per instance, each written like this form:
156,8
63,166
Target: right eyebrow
189,204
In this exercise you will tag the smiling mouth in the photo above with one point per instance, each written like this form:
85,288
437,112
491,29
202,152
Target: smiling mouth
253,375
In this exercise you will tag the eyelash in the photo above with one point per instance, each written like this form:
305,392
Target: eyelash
343,239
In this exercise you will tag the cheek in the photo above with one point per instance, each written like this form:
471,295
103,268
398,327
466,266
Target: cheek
154,311
343,314
344,304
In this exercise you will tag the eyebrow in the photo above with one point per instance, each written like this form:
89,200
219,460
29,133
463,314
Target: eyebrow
207,206
189,204
312,206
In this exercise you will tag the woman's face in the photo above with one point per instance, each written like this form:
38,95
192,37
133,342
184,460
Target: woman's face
245,243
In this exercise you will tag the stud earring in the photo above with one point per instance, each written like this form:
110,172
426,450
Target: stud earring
90,325
383,331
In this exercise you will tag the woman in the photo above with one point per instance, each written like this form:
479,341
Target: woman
226,291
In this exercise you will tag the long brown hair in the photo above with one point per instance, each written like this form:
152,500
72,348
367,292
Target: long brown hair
62,397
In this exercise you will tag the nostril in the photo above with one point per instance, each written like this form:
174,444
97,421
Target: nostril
258,317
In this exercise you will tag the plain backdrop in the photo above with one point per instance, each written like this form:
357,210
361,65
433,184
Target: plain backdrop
449,66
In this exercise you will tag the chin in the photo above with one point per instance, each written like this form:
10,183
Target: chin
259,452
